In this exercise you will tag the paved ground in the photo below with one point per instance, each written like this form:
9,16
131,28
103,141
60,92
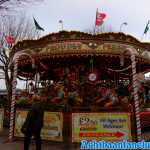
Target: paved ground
18,144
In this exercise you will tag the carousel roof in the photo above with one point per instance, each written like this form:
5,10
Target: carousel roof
72,36
62,45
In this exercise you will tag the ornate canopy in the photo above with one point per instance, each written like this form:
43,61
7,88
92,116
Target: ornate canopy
70,48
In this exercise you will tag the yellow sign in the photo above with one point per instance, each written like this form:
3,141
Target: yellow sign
1,119
101,126
20,118
53,125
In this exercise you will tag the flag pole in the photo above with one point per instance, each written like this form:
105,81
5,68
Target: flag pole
142,37
95,21
62,26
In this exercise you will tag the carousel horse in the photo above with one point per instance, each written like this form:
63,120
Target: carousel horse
140,91
108,98
125,96
60,94
113,99
73,95
141,88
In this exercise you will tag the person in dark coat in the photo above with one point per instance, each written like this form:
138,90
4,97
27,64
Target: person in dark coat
33,123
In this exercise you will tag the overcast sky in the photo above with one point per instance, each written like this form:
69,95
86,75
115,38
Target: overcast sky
80,15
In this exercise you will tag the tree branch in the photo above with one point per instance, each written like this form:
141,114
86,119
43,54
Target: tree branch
2,61
11,4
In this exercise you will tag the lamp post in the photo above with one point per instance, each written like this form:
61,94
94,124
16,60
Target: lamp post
61,22
124,23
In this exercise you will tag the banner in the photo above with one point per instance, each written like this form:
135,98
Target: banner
1,119
19,120
53,125
101,126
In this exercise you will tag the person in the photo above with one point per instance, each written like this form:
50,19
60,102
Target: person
125,96
33,123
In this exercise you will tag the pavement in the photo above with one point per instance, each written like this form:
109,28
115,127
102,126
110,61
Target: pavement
18,144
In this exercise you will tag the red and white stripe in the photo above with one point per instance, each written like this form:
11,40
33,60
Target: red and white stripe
135,89
13,99
12,111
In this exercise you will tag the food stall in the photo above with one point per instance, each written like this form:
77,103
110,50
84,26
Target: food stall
88,83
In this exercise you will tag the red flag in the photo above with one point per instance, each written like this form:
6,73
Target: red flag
99,18
9,39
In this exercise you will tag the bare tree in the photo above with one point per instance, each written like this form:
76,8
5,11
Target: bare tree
19,28
11,5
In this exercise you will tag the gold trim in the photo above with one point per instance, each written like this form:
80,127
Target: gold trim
121,69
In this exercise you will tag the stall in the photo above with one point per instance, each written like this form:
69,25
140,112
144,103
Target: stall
89,84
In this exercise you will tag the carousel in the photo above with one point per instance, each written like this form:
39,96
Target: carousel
92,85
